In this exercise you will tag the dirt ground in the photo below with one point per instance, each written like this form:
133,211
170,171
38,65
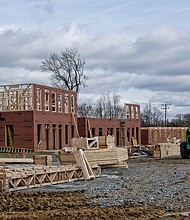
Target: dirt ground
68,205
75,205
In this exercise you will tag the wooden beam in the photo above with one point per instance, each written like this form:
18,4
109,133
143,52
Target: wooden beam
16,160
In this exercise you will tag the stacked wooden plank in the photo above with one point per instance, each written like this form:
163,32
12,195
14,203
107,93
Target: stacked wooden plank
16,160
85,143
67,157
106,141
102,157
42,159
166,150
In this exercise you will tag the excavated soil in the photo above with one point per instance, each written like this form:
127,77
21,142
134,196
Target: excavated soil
94,199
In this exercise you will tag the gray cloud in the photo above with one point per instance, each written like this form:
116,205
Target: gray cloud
40,10
153,67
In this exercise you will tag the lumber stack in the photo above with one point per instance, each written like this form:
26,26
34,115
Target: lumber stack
166,150
67,157
85,143
42,159
16,160
106,141
102,157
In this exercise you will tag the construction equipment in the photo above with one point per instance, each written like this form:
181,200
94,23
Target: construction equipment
185,145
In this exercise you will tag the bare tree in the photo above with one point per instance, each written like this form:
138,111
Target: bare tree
108,107
181,120
67,69
151,116
85,110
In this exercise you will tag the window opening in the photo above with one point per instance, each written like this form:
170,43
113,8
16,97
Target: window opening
39,134
54,136
47,136
60,137
66,103
66,134
53,102
100,132
59,98
10,135
72,104
46,100
38,99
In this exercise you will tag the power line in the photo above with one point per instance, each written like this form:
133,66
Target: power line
165,107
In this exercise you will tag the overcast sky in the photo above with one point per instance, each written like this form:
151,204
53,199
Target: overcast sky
139,49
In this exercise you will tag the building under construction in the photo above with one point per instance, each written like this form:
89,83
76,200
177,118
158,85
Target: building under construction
39,117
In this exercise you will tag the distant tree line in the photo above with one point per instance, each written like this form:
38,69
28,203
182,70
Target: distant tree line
181,120
153,117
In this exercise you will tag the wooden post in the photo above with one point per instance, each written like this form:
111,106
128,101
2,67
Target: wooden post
90,131
84,164
76,127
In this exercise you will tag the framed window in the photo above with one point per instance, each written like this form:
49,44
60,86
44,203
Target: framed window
66,97
38,99
53,96
46,100
72,104
59,101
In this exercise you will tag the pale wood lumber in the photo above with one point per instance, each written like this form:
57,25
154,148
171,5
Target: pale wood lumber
16,160
16,178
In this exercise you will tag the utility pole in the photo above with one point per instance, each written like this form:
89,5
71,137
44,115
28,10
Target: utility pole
165,107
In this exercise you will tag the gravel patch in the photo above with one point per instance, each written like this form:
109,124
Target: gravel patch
146,181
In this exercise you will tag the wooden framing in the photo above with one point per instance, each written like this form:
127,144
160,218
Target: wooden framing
16,97
14,178
155,135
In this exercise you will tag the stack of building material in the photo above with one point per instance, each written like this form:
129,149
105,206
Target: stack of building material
107,157
67,157
106,141
42,159
166,150
102,157
85,143
16,160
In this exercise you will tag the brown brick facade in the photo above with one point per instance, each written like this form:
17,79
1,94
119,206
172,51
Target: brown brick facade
123,129
39,117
